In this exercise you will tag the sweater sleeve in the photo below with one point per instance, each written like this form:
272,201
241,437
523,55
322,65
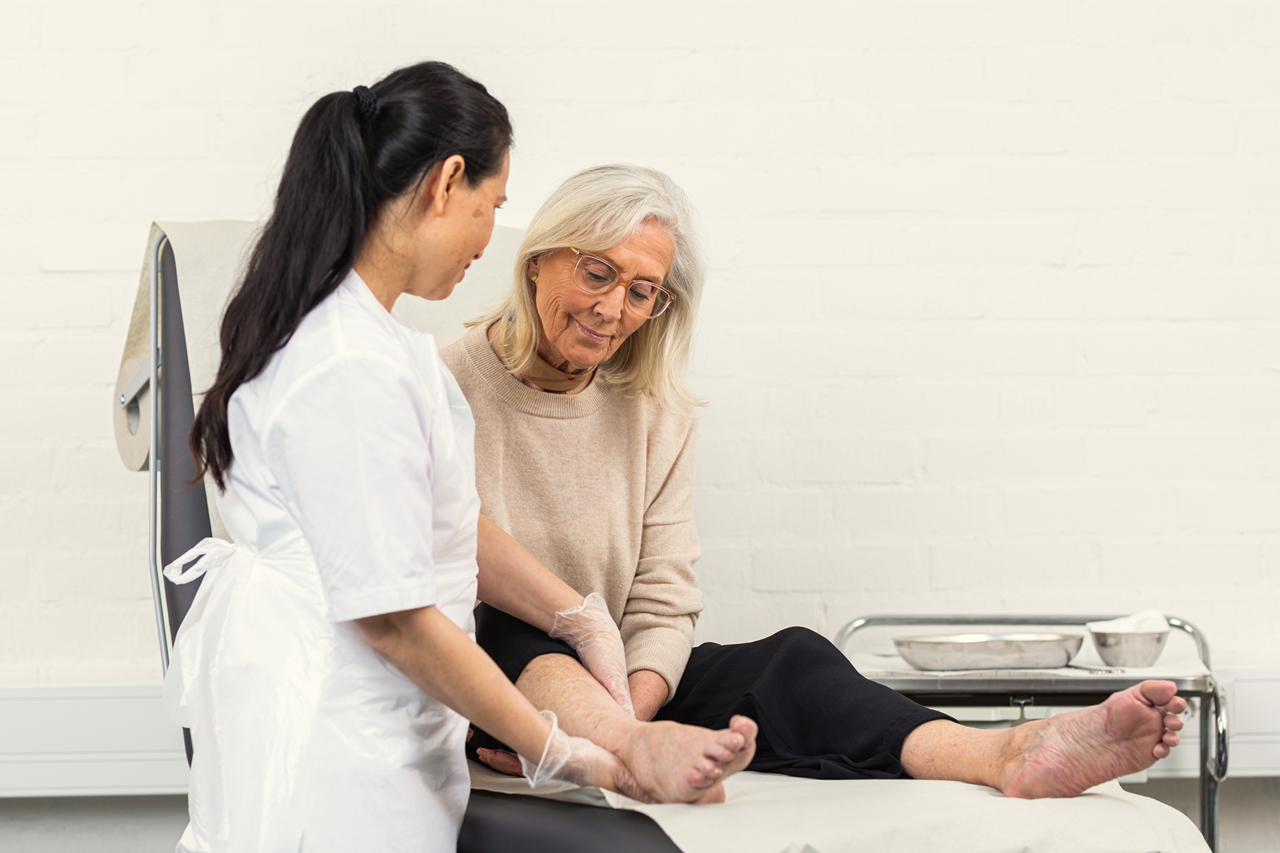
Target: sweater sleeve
664,600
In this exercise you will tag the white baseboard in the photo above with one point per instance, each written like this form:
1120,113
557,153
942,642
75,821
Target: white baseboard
88,740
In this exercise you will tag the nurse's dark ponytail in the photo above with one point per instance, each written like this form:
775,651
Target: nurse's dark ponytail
353,152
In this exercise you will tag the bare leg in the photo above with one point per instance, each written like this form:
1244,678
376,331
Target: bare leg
1058,757
672,762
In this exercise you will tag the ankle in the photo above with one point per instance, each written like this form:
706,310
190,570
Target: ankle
613,732
1009,755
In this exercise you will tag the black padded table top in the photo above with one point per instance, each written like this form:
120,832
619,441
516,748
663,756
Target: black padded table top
498,823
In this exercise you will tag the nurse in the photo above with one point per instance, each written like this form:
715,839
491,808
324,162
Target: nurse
327,667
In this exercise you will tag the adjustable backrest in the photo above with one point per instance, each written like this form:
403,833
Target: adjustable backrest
184,508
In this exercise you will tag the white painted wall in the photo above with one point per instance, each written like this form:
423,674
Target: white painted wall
992,322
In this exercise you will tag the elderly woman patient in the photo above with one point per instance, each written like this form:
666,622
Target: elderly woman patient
584,448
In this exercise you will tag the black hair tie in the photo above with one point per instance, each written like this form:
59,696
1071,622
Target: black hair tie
366,103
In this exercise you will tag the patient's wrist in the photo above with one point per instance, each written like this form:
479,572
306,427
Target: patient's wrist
648,693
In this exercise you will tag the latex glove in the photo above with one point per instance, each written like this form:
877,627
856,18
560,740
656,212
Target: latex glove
590,631
580,762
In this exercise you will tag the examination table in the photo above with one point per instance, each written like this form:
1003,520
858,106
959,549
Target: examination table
172,348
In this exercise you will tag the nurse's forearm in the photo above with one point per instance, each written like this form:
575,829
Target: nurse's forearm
512,580
441,659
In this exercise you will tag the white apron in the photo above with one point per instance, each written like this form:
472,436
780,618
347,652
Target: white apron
304,738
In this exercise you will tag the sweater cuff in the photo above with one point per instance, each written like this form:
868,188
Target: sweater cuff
662,649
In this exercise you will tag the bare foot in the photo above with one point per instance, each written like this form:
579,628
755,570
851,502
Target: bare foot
674,776
715,795
599,767
675,763
1070,753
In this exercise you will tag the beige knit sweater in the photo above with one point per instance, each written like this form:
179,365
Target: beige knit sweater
598,486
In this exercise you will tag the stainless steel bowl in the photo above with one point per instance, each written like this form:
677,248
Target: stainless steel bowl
989,651
1128,649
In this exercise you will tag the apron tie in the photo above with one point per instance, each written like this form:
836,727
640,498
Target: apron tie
208,554
198,640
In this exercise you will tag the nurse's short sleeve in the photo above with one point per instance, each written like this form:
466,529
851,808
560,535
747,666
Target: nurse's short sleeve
350,447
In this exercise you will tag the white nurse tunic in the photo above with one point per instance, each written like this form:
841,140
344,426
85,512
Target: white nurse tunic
352,494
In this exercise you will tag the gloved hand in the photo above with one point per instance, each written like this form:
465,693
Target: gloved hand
580,762
590,631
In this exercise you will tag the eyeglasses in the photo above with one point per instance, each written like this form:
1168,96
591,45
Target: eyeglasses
596,275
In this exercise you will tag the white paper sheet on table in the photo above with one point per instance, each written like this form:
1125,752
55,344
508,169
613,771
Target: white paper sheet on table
766,813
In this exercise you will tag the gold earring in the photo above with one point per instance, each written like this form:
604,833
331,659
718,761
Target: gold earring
533,276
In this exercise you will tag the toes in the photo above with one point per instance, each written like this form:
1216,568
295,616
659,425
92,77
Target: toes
708,771
702,777
744,726
1157,692
729,740
748,753
1160,751
1173,723
1176,706
719,754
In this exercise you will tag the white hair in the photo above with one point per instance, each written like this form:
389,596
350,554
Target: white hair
595,210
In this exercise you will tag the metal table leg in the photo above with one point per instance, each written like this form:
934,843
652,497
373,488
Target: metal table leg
1213,762
1208,820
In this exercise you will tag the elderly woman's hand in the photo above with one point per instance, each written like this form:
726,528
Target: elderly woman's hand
591,632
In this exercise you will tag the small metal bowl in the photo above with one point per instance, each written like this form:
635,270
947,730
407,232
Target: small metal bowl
1129,649
988,651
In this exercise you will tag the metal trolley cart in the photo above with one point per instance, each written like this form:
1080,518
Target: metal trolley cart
1065,686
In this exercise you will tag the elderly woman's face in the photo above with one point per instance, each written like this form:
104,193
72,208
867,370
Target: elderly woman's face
583,328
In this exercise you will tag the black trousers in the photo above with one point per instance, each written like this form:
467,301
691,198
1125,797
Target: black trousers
818,717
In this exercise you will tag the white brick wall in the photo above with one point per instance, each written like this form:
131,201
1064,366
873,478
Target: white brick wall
993,321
